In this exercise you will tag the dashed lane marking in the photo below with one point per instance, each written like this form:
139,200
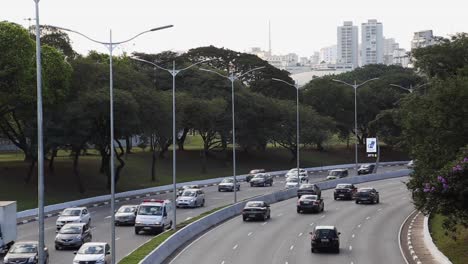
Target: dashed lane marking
234,248
107,217
264,223
249,234
300,234
291,247
350,248
353,236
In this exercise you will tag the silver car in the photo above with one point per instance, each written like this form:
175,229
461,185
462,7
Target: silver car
73,235
228,185
126,215
93,252
24,252
191,198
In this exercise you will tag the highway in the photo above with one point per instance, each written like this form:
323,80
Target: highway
369,233
127,241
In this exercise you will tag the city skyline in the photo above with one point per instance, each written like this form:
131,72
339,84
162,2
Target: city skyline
308,26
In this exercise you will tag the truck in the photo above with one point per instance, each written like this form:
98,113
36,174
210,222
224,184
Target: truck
7,225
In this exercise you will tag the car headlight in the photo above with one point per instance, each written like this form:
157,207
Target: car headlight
32,259
192,200
157,223
5,259
76,262
78,237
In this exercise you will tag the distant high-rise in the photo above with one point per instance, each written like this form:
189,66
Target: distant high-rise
422,39
372,42
328,54
347,48
390,45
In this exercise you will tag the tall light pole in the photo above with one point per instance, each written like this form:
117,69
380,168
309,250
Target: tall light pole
110,46
410,89
295,85
355,87
40,145
174,73
232,78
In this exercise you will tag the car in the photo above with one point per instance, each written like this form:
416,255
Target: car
367,195
252,174
261,179
336,174
366,169
24,252
93,252
126,214
154,216
309,188
325,237
291,182
228,185
410,164
73,235
256,210
191,198
303,174
344,191
310,203
73,215
185,187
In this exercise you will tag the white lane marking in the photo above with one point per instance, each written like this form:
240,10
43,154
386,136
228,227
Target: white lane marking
93,212
367,218
380,209
264,223
234,248
311,224
359,226
323,216
350,248
107,217
249,234
188,218
337,208
300,234
291,247
117,238
280,214
353,236
222,262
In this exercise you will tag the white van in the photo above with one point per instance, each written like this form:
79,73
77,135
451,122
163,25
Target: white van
154,216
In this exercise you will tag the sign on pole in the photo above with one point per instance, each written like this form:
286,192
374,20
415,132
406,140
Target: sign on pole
371,145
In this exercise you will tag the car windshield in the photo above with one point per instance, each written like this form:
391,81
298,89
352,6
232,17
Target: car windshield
292,179
325,233
254,204
344,186
150,210
189,193
366,166
310,197
71,212
91,249
261,176
365,190
306,186
228,181
24,248
334,173
256,171
70,230
126,209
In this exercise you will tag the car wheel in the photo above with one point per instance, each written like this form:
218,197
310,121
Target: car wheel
337,250
244,218
323,208
203,203
357,201
335,198
312,250
251,185
378,200
137,231
298,210
57,247
219,190
89,222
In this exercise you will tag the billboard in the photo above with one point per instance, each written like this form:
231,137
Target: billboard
371,145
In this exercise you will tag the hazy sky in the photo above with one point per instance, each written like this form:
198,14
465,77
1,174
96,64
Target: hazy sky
300,26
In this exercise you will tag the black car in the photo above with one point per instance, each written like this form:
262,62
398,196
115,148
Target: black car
344,191
256,210
310,203
73,235
309,188
24,252
261,179
367,195
366,169
252,174
325,237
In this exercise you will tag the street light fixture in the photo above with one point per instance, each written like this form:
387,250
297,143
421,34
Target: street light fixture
410,89
355,87
174,73
295,85
110,46
232,77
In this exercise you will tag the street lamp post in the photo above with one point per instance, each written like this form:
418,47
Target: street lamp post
355,87
410,89
110,46
295,85
40,143
174,73
232,78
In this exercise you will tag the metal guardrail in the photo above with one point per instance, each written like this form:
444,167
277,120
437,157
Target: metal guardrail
181,237
167,188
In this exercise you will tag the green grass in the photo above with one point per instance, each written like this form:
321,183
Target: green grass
61,185
455,250
141,252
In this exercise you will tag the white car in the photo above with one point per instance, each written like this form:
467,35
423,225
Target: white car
228,185
191,198
336,174
410,164
73,215
292,182
303,174
93,252
154,216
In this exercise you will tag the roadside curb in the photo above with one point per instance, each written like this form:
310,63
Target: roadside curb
429,243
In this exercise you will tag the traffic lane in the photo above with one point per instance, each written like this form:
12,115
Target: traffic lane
260,243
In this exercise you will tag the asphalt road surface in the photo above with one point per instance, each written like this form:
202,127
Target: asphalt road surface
369,233
127,241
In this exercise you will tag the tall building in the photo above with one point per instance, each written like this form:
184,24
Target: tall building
315,59
328,54
372,42
422,39
347,44
390,45
401,57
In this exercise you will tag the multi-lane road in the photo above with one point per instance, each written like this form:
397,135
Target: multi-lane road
127,241
369,233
